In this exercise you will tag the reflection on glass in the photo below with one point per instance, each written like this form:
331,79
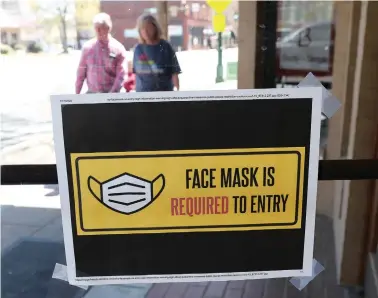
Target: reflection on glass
34,66
43,54
305,35
308,45
305,43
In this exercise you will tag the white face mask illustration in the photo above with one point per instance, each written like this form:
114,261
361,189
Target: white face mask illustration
126,193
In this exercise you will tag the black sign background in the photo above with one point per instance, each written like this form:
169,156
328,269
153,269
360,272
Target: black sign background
117,127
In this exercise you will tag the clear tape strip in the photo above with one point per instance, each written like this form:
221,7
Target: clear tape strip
330,103
60,272
301,282
119,291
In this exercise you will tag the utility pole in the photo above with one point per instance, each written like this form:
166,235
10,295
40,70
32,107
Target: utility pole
162,12
219,77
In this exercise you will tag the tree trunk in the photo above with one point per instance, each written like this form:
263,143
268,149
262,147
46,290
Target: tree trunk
78,39
64,34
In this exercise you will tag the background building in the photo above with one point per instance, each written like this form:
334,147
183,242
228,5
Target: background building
232,16
189,21
16,22
85,10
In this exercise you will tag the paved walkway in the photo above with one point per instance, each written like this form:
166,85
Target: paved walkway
38,147
31,213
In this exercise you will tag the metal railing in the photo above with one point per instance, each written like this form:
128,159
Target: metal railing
345,169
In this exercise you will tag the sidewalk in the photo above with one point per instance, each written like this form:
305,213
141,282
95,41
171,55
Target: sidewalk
39,149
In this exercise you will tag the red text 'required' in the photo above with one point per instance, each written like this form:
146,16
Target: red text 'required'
199,206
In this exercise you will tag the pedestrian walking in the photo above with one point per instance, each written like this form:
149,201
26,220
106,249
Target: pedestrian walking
103,62
155,63
209,45
233,37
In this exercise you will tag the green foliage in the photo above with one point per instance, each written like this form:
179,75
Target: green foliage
6,49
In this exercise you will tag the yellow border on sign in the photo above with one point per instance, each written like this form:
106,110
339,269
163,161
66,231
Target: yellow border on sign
80,231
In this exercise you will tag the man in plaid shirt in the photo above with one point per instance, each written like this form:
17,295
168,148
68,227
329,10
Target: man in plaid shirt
103,61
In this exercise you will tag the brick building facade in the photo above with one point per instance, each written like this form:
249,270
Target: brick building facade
188,20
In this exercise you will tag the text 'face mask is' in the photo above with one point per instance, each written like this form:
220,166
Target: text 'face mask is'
126,193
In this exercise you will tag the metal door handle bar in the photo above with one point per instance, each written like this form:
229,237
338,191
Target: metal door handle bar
345,169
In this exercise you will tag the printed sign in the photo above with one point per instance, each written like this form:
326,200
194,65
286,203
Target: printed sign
232,70
219,22
161,186
219,6
204,190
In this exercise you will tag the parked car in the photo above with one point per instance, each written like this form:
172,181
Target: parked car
307,49
283,32
35,47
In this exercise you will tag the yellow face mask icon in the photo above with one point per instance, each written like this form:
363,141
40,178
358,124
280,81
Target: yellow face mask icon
126,193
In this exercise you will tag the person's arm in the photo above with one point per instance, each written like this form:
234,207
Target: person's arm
176,81
135,56
121,72
175,69
128,85
81,73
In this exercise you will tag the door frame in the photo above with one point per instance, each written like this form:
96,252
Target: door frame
371,251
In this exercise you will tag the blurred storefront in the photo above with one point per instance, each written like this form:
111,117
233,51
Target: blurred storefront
10,28
187,21
232,16
16,23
